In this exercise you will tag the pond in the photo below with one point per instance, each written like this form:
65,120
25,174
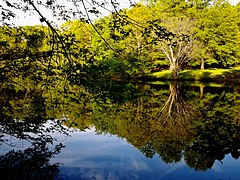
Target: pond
117,130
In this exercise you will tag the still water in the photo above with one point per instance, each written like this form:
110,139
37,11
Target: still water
90,156
120,131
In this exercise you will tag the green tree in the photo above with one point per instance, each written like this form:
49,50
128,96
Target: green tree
175,39
78,36
218,30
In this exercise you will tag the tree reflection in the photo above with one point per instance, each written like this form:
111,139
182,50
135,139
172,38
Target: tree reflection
175,109
200,130
172,123
216,131
172,126
31,163
24,118
143,122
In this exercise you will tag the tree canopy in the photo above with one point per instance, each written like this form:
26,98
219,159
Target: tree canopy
127,42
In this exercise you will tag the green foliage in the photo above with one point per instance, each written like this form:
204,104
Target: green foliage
218,30
216,131
130,41
79,36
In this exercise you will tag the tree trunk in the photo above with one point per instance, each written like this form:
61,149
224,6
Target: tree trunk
175,74
175,71
201,91
202,64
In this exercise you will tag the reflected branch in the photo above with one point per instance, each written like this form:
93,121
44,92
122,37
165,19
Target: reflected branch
175,107
31,163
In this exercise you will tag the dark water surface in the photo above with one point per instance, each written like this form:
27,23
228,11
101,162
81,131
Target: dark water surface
120,131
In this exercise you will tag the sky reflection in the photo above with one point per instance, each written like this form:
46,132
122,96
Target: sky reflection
88,155
91,156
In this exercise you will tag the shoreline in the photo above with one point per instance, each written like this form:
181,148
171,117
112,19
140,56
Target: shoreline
208,75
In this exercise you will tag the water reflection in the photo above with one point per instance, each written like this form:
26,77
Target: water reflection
199,130
216,131
25,135
175,106
31,163
90,156
172,125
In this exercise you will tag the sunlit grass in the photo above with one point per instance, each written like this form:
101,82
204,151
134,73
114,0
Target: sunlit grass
189,83
198,75
161,74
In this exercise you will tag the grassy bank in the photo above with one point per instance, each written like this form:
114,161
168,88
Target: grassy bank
216,75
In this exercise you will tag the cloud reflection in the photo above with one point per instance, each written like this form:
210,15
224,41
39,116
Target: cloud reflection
91,156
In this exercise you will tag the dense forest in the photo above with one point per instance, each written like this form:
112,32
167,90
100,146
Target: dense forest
151,35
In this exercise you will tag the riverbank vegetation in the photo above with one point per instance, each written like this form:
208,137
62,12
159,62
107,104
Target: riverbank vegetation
130,43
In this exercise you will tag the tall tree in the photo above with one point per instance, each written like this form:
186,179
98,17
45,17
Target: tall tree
218,30
175,38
